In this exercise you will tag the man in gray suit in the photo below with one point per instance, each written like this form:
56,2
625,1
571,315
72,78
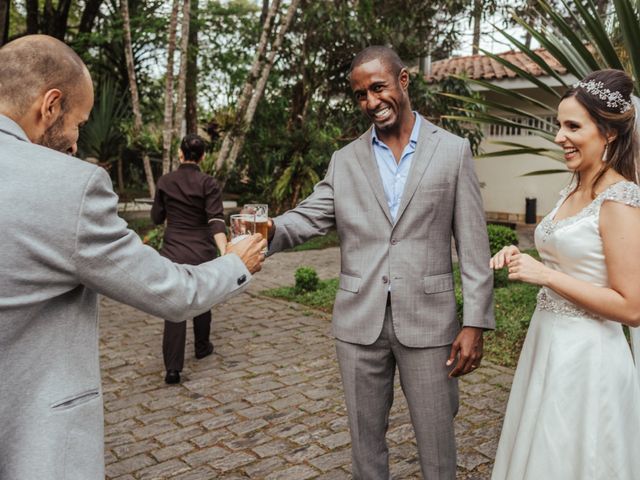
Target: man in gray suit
63,244
396,195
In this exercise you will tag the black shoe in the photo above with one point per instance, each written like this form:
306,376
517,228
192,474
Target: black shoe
207,352
172,377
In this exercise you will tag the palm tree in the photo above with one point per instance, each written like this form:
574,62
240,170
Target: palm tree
583,40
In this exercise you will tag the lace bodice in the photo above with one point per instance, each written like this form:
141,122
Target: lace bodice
573,245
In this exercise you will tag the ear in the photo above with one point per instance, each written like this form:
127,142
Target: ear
51,106
403,78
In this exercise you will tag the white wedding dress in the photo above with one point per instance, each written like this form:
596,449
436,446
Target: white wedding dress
574,408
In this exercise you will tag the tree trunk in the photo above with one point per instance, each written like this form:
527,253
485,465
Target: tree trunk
91,10
249,85
167,127
32,17
477,23
264,12
178,119
191,88
135,99
120,172
5,6
262,83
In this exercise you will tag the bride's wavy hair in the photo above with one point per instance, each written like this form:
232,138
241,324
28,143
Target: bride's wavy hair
622,150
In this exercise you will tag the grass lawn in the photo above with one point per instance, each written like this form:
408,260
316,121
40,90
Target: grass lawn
514,305
318,243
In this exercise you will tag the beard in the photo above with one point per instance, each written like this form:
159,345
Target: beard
55,139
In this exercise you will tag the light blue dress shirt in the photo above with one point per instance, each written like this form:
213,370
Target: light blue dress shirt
394,174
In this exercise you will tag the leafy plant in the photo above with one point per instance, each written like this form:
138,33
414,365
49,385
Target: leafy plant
596,43
500,236
154,238
102,136
306,279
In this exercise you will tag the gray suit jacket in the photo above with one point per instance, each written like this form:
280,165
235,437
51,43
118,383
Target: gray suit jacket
412,255
62,243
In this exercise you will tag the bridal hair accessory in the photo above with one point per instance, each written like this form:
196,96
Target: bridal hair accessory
613,99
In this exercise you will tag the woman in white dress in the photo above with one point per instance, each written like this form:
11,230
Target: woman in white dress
574,408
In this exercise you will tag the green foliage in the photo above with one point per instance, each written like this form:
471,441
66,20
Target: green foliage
329,240
102,137
306,279
583,39
322,298
500,236
154,238
430,102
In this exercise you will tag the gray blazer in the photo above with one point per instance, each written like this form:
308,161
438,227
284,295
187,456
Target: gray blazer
62,244
412,255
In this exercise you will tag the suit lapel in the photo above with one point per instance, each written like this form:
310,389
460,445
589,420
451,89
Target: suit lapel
367,161
426,147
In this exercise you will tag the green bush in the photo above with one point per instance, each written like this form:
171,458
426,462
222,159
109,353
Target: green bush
306,279
500,236
154,238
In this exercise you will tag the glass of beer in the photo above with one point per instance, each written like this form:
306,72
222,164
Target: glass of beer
260,213
240,226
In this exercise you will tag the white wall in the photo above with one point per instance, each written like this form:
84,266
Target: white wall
505,189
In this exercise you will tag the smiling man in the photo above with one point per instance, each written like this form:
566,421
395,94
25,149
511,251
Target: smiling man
397,195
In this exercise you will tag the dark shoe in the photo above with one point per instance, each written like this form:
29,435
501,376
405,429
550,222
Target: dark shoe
172,377
206,353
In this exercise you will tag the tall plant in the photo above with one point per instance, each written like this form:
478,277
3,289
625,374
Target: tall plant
598,42
102,137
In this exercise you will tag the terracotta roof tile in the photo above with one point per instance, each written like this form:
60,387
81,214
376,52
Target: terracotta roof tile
482,67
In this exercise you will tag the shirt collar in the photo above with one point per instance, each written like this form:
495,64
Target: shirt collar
415,132
194,166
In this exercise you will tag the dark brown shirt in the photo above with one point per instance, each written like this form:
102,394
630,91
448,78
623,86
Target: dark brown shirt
191,203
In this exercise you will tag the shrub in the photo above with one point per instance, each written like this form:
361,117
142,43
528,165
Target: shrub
500,236
154,237
306,279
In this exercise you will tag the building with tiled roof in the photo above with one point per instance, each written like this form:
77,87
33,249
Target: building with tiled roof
482,67
505,187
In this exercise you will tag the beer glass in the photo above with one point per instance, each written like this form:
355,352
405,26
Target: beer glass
240,226
260,214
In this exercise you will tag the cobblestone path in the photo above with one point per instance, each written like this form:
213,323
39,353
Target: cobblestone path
268,403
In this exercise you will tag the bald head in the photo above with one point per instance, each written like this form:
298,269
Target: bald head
385,55
34,64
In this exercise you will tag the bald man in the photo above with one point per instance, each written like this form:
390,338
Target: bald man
62,245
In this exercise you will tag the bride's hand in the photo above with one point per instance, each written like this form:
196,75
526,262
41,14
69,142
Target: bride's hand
525,268
503,257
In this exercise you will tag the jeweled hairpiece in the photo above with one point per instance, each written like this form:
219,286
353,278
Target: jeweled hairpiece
613,99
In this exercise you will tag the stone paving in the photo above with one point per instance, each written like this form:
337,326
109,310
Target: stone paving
268,403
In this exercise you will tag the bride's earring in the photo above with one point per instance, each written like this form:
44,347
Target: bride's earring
605,153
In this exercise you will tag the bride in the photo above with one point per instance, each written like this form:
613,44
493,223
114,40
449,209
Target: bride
574,408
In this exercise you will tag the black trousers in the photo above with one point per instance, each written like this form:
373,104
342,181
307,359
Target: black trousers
174,337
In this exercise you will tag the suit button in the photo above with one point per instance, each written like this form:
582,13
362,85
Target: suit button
394,242
242,279
385,279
